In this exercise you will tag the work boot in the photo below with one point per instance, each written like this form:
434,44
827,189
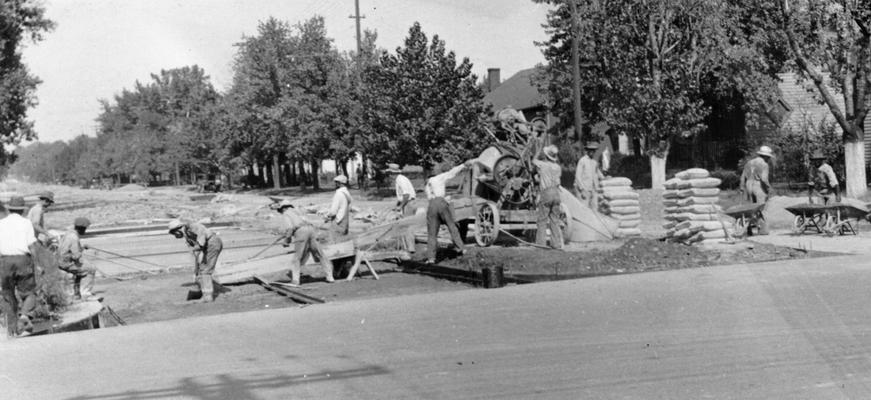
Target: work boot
77,290
25,327
207,287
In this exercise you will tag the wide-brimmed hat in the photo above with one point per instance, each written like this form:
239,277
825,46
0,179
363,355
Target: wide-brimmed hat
592,146
174,225
818,155
393,168
82,222
765,151
47,196
16,203
341,179
551,152
283,204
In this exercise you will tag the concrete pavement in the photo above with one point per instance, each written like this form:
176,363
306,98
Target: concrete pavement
791,330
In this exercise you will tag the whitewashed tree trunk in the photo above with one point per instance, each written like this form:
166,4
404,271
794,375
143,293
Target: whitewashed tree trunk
854,160
623,143
657,170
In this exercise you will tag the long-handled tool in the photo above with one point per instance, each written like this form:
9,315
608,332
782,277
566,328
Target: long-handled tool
265,248
125,256
116,262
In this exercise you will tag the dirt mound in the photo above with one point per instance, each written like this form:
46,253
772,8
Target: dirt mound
132,187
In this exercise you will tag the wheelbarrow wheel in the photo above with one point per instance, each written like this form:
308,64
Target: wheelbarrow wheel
740,227
798,224
487,224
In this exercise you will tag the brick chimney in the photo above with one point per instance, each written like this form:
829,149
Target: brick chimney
493,80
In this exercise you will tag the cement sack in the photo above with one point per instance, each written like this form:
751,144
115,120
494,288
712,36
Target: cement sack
624,232
693,173
617,181
701,183
699,192
703,225
697,200
710,235
624,203
685,233
626,217
702,209
691,217
620,195
672,183
673,210
669,225
672,203
614,189
625,210
671,194
629,223
584,224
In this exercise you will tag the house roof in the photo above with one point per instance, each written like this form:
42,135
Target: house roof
803,101
517,92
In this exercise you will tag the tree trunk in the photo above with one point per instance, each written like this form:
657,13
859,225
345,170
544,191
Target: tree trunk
657,170
276,172
288,178
316,182
854,165
344,165
623,143
302,175
177,175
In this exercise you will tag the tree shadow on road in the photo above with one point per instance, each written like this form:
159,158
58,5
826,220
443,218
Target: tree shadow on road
226,386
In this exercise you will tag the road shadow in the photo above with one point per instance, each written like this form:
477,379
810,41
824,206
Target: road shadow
232,387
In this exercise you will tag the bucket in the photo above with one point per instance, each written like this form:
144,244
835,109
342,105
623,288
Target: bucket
493,278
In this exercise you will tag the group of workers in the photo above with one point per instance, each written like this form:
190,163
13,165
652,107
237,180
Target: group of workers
20,239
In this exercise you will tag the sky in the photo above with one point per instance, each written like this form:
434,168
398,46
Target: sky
100,47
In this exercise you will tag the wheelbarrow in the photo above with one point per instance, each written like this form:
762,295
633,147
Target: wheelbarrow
838,218
808,217
746,217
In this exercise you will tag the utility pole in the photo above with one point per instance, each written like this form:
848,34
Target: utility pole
576,72
358,17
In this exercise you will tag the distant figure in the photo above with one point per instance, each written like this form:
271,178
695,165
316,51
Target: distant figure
17,278
69,252
587,177
207,244
549,209
340,209
36,215
829,186
405,194
754,182
361,177
301,233
440,211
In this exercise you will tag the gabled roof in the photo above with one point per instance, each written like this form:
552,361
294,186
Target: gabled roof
517,92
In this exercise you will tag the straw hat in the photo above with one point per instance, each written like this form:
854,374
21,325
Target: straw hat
765,151
16,203
551,152
47,196
818,155
393,168
82,222
592,146
284,204
175,225
341,179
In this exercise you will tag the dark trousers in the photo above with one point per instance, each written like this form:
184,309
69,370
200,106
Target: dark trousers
16,274
210,258
437,213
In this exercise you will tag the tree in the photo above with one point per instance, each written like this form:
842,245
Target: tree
650,64
833,38
422,107
19,20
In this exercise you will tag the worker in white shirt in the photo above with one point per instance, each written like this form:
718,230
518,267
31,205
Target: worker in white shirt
587,177
16,267
439,212
36,215
340,209
405,194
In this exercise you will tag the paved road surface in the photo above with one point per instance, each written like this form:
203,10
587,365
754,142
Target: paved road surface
789,330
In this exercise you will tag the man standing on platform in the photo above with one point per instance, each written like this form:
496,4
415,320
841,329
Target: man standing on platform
69,251
405,194
587,177
754,182
36,214
16,268
205,242
549,210
439,211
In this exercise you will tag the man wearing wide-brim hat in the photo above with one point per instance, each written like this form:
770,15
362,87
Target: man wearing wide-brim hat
754,181
303,234
405,194
69,252
549,210
205,243
36,214
340,208
587,177
17,274
825,175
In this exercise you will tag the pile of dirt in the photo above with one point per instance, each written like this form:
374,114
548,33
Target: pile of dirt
130,188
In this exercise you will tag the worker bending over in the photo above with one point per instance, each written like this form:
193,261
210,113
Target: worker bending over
755,185
69,253
549,210
829,186
440,211
302,234
207,245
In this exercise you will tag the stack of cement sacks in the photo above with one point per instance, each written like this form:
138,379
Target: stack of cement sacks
691,210
619,201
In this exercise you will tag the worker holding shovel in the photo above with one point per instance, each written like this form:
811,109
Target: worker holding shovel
205,242
303,234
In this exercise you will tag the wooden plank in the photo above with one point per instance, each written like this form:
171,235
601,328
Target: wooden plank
246,270
292,294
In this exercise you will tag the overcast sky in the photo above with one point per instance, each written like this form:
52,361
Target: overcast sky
100,47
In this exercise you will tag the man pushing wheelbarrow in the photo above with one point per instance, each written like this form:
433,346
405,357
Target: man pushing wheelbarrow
756,187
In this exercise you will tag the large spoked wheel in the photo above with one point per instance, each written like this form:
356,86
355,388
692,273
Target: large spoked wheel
503,169
740,227
486,224
798,224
